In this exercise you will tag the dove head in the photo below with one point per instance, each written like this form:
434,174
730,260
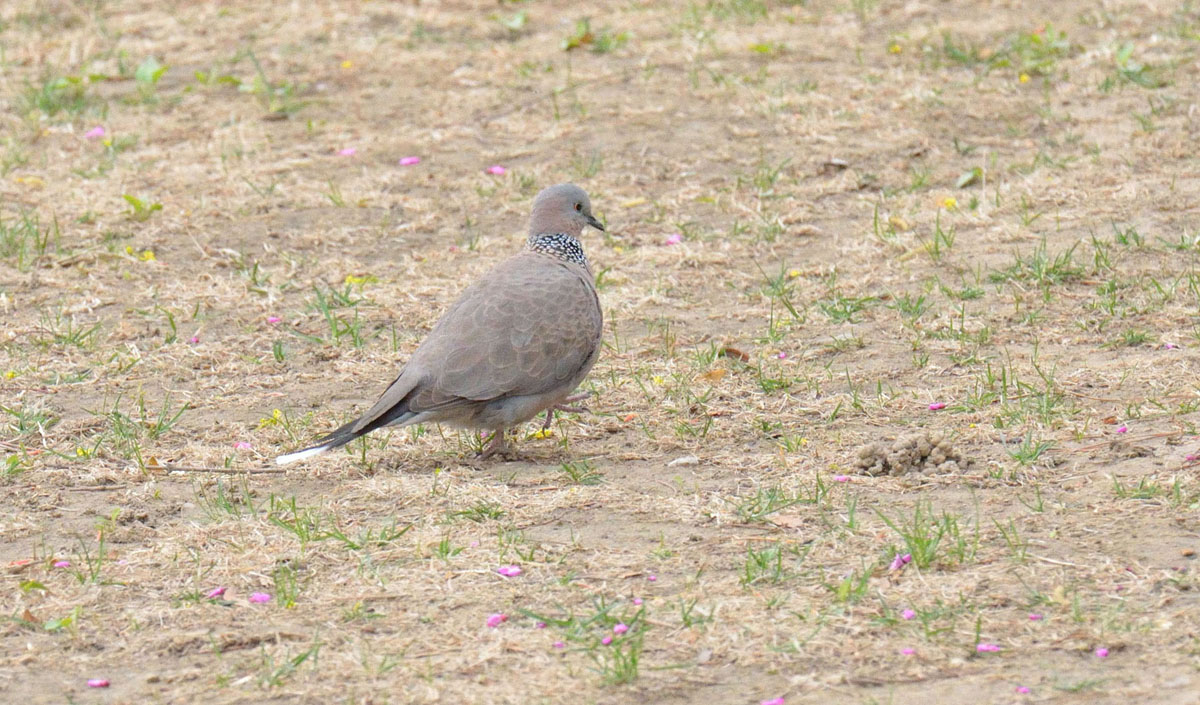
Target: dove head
562,209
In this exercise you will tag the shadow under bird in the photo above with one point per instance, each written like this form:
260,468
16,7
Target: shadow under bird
516,343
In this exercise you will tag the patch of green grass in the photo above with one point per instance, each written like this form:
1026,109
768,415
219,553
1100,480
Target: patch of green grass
1144,489
1030,450
599,41
24,240
580,472
479,512
28,420
65,96
759,506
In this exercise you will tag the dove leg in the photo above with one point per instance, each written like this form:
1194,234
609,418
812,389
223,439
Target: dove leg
562,406
499,444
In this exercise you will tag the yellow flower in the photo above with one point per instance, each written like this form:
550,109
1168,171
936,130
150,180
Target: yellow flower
107,142
272,420
146,256
542,433
658,379
10,374
950,203
618,249
895,49
1023,78
793,273
347,64
364,279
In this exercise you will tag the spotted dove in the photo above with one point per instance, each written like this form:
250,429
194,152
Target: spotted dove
516,343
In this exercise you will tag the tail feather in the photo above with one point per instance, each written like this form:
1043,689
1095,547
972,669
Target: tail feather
397,415
340,437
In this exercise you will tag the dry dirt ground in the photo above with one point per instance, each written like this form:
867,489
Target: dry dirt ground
881,279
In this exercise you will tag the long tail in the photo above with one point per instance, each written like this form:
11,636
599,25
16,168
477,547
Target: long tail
340,437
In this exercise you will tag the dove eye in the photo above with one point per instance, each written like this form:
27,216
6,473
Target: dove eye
578,206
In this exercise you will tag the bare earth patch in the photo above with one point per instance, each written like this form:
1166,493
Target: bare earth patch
880,279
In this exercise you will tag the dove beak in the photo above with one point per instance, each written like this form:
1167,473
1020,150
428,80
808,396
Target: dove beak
591,220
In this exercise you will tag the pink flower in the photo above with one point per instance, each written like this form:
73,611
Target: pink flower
559,645
347,152
908,614
637,600
540,625
841,478
772,701
985,648
496,170
242,445
782,355
97,682
273,319
1170,346
95,133
908,651
509,571
606,640
651,578
620,628
674,239
1101,652
409,161
474,544
259,597
1123,429
1035,617
214,593
495,620
900,561
62,564
194,339
1022,689
1190,458
937,406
